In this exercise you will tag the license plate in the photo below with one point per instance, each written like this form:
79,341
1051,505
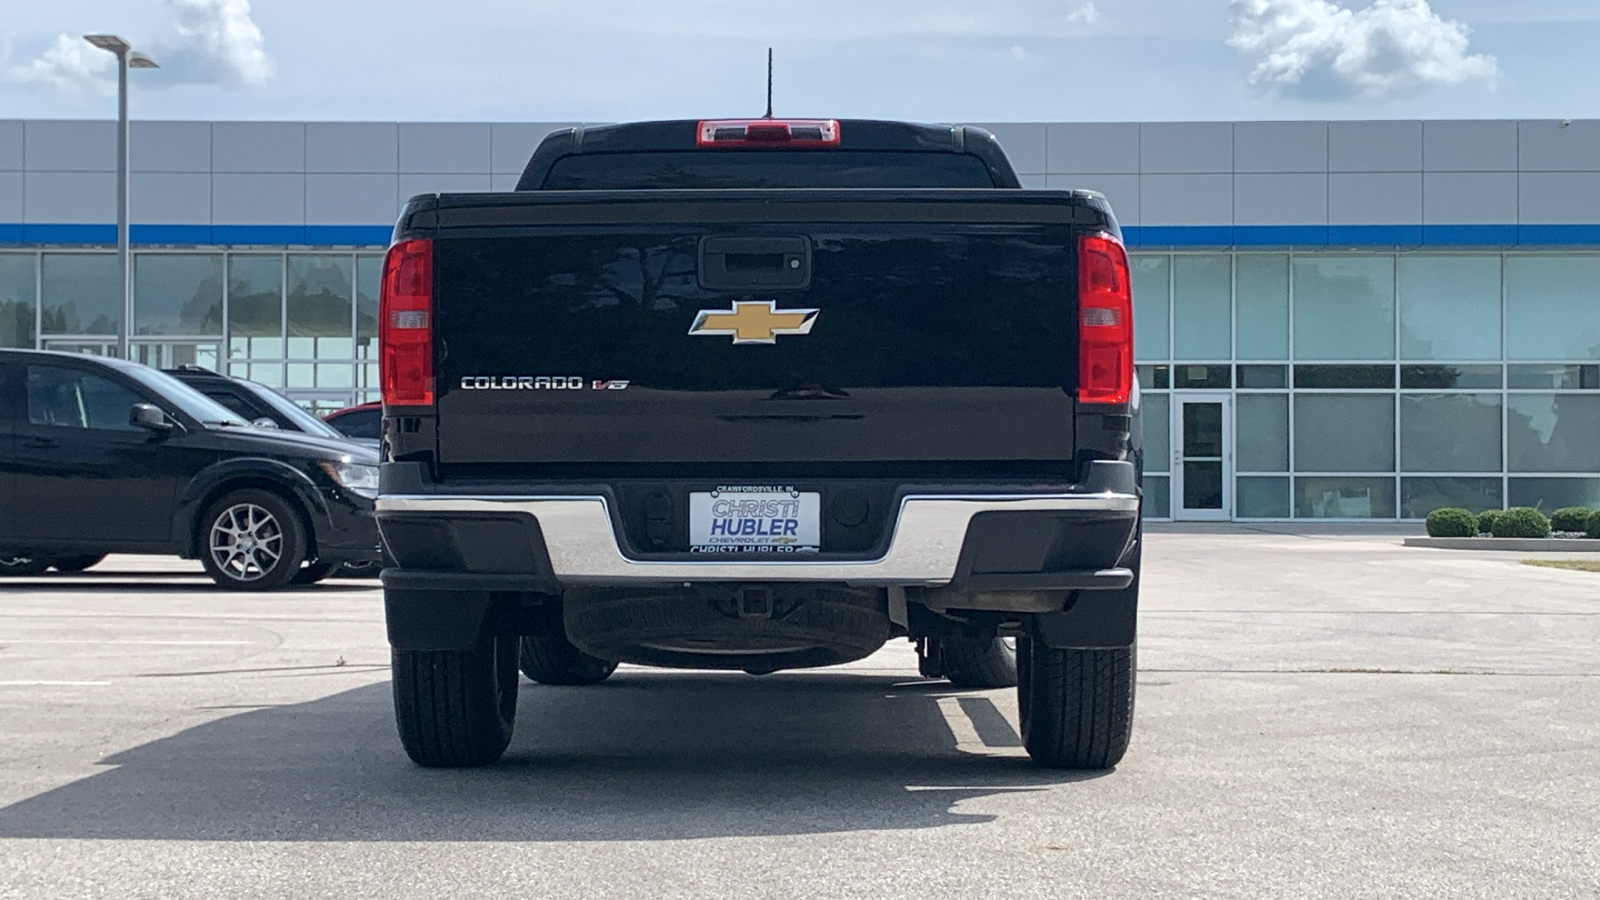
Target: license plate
761,519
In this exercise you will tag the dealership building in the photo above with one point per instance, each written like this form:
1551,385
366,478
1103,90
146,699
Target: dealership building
1334,320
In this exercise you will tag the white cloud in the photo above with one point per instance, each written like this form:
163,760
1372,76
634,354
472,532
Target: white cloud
1319,50
209,42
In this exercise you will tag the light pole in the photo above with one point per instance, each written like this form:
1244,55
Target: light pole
127,58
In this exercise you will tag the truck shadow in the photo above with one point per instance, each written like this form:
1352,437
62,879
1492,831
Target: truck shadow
648,756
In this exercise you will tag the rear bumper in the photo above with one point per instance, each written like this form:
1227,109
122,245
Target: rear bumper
1015,541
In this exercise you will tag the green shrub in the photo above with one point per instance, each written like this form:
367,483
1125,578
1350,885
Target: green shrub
1592,525
1486,520
1521,522
1452,522
1570,518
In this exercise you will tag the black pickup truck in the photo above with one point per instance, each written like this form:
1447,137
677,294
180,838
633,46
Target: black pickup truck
760,395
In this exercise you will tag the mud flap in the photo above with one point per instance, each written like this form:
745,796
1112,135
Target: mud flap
435,620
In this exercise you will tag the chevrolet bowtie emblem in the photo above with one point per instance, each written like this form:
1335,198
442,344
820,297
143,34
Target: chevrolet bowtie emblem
754,322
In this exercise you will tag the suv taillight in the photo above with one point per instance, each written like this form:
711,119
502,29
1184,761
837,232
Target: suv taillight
786,133
405,325
1105,321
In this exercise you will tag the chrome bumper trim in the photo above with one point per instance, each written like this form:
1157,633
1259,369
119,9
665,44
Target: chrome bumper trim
928,535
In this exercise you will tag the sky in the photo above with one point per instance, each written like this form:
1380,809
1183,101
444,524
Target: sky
927,60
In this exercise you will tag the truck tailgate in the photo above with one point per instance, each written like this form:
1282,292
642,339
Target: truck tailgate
722,330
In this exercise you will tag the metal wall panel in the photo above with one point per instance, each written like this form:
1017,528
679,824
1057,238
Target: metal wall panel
1121,190
1375,146
351,199
69,146
1186,147
258,199
1375,198
169,146
1550,146
258,147
1024,143
1486,146
169,198
1280,147
412,184
511,143
11,196
1469,198
1281,199
1559,198
445,147
1111,147
356,147
1186,200
70,197
11,145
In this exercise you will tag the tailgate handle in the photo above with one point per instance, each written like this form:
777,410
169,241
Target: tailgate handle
741,262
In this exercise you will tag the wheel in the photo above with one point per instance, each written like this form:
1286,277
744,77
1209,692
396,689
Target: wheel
456,707
76,563
553,660
314,571
21,566
979,663
252,540
1076,705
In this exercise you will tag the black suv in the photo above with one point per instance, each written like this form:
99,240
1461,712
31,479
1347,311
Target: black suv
253,401
104,456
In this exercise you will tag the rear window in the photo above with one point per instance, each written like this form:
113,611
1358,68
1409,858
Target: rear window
767,169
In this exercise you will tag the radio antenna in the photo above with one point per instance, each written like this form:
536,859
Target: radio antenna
769,84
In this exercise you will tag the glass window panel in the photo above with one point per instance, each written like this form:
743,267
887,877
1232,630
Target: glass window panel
1449,307
1151,287
1154,376
1263,300
1202,484
1263,498
369,275
80,293
1262,435
320,301
1344,433
1553,307
1420,496
70,398
177,293
1202,430
1553,432
369,375
1554,377
301,375
269,374
1202,307
1263,376
1344,498
17,295
335,375
1344,377
1156,417
1344,307
1450,432
255,306
1191,376
1551,494
1439,377
1157,497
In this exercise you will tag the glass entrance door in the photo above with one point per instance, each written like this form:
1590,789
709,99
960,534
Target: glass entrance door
1202,456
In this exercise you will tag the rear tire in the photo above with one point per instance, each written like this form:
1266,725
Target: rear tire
979,663
252,540
76,563
456,708
1076,705
552,659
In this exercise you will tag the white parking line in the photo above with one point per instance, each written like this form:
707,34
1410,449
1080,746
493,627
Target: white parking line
55,683
4,641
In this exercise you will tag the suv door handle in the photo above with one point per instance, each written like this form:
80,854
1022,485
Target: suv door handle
39,443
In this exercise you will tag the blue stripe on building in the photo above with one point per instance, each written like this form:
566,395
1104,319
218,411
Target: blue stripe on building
1221,237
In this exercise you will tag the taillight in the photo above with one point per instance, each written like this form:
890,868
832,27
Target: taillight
1105,321
785,133
405,325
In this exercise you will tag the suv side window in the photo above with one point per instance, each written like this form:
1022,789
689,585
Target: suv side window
234,403
368,423
72,398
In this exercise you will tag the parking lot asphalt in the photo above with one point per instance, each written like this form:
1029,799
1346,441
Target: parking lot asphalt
1319,715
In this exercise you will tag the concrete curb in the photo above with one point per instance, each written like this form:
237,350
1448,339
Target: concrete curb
1519,545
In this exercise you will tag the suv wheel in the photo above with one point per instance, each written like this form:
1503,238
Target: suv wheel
552,659
456,707
252,540
979,662
1076,705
